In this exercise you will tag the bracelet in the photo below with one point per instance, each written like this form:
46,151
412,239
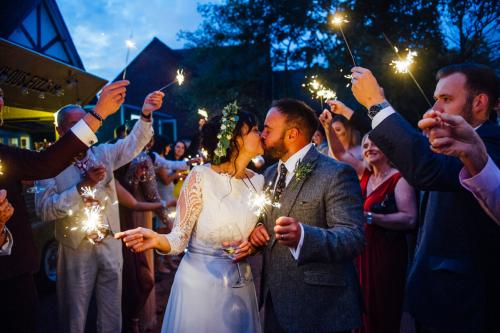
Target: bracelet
148,117
96,115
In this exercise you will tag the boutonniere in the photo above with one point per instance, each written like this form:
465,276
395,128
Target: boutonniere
303,170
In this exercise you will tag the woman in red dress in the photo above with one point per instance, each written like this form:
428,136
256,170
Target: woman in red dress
391,209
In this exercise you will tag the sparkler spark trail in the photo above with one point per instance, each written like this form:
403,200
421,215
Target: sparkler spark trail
403,65
91,223
179,78
318,90
1,168
408,70
261,201
337,21
130,44
88,192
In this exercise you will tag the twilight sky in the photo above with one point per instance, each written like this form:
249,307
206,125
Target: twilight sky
99,28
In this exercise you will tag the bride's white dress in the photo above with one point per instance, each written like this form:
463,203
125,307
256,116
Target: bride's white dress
203,298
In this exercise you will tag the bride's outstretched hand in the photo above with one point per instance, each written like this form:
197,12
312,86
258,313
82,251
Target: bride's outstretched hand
138,239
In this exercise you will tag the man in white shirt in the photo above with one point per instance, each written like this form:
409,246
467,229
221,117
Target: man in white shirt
82,265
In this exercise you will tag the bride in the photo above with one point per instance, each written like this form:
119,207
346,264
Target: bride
213,290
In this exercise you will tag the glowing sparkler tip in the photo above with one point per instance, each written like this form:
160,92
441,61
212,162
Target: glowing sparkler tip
180,76
338,20
402,65
130,44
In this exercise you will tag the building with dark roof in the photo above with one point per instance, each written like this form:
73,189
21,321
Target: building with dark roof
40,71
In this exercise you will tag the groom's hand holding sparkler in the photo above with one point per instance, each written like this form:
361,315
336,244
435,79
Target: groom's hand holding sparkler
288,231
366,88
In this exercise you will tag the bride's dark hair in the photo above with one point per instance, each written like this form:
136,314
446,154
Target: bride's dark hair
212,128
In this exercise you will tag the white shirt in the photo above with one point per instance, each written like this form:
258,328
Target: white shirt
290,165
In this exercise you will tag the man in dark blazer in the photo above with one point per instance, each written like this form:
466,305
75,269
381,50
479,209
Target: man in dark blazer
453,285
309,283
17,289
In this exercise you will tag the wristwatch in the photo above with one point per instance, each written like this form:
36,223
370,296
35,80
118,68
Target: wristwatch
374,109
369,218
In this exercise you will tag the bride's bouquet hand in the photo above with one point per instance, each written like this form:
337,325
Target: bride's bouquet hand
138,239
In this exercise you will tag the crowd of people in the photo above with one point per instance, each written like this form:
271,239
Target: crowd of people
367,224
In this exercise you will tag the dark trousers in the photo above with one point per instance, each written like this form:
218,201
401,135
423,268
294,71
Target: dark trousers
271,324
18,304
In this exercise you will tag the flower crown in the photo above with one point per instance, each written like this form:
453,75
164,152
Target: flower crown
228,124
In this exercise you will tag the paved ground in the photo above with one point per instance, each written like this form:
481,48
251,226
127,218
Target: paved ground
47,315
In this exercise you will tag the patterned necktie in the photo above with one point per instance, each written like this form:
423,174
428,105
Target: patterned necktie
280,186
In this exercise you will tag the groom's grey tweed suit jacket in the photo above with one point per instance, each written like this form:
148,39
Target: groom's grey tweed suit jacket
319,292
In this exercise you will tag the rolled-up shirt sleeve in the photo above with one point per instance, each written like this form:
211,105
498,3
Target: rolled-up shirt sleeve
485,186
6,248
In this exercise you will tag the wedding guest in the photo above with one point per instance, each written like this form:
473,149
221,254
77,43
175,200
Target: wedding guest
319,140
18,311
6,211
138,296
166,171
178,153
451,135
390,208
84,266
453,284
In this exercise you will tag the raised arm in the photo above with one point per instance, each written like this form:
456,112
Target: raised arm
25,164
336,148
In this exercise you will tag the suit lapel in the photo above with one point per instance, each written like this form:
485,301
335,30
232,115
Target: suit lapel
291,192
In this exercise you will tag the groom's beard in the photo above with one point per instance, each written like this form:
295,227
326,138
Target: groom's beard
277,151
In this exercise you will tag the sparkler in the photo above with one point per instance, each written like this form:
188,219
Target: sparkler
261,201
179,78
407,67
318,90
129,43
338,20
92,219
1,168
403,65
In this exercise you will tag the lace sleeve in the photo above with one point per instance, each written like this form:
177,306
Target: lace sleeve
188,210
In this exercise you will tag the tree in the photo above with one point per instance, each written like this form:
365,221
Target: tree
471,28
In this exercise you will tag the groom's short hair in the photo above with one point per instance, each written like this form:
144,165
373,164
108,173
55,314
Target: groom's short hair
298,114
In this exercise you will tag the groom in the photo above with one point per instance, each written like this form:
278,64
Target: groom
309,282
